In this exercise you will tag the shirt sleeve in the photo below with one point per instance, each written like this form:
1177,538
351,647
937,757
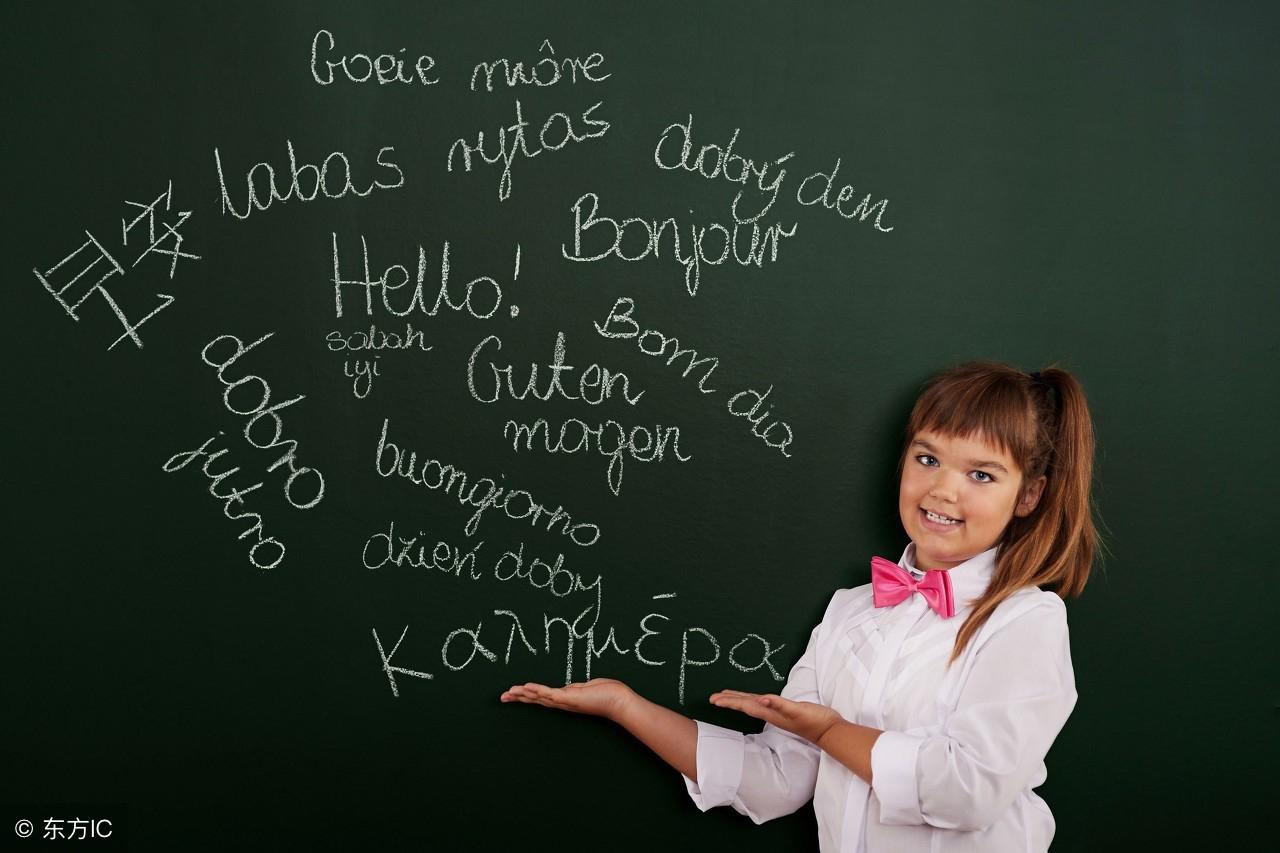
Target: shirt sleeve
763,775
1015,700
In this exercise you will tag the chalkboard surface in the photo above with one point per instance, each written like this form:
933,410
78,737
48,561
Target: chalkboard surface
362,358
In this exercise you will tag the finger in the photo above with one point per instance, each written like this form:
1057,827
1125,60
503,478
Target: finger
518,694
529,688
531,698
735,694
530,693
560,698
523,688
759,712
542,692
746,706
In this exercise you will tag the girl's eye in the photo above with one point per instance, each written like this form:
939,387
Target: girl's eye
931,461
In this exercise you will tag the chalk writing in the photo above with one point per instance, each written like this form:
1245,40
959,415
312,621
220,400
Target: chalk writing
359,68
376,340
303,478
155,243
595,383
846,193
390,549
546,71
621,325
782,439
322,182
716,160
484,494
610,235
81,274
674,150
361,369
557,132
481,299
515,309
392,671
698,646
483,289
273,547
610,439
551,576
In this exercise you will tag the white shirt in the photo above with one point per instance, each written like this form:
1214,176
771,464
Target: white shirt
961,749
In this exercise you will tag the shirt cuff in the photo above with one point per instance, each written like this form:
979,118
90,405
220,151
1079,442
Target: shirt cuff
893,778
719,765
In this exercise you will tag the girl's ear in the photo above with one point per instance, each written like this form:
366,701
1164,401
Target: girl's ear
1030,496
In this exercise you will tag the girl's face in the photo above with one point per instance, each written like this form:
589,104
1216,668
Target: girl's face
972,485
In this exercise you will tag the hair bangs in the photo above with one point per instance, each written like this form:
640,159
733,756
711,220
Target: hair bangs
989,403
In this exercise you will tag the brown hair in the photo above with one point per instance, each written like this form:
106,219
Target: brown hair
1043,422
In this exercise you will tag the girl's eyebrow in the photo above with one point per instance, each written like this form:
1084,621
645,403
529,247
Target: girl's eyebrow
976,463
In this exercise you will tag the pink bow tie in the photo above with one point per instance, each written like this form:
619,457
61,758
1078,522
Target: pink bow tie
890,584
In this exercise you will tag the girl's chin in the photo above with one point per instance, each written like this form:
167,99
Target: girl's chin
928,558
937,565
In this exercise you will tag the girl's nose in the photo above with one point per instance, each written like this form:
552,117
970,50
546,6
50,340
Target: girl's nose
945,486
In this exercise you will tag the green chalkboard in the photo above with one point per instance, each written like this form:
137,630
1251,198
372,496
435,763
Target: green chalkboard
356,354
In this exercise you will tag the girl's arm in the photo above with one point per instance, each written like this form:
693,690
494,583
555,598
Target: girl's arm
762,775
850,744
846,742
673,737
1015,700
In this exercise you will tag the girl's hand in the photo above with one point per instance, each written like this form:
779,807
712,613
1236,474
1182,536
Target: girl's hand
809,720
601,697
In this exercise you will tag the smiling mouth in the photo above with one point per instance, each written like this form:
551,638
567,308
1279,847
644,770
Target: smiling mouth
941,519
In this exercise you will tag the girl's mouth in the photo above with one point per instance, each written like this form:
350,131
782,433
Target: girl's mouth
938,522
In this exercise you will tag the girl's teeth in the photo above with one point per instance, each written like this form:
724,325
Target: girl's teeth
939,518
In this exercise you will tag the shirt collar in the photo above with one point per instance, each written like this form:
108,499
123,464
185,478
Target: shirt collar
968,580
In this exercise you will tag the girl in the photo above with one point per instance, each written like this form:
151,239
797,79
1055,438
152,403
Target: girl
920,713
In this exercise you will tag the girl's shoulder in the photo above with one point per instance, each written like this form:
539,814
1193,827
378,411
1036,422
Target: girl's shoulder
848,606
850,600
1042,613
1029,598
1034,593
